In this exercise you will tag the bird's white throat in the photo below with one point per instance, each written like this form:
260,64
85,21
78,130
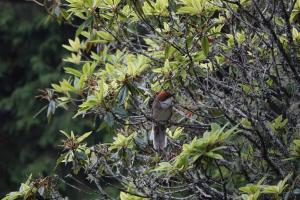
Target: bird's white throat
166,104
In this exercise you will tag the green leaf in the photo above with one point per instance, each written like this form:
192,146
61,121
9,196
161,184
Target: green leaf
163,166
187,10
83,136
214,155
205,45
79,29
122,141
127,196
74,45
60,159
109,119
13,196
74,58
270,189
250,189
169,51
73,71
176,134
246,123
215,127
65,133
246,88
100,93
123,93
105,35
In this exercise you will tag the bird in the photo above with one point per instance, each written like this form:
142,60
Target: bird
161,113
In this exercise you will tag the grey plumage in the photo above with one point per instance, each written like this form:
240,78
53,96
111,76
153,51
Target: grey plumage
161,113
158,135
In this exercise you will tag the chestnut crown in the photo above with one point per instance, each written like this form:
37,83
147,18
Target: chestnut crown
163,95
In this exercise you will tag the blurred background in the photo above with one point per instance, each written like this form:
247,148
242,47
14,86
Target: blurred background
30,59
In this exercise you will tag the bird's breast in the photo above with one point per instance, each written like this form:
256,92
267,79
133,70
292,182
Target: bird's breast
161,114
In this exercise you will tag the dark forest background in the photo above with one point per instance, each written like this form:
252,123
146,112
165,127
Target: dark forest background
30,57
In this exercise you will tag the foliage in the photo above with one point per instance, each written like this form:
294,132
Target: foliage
208,146
33,189
234,69
255,190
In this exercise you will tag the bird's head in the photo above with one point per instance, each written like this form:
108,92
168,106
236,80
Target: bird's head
164,98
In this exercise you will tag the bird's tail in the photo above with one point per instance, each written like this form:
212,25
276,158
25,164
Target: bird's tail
159,137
